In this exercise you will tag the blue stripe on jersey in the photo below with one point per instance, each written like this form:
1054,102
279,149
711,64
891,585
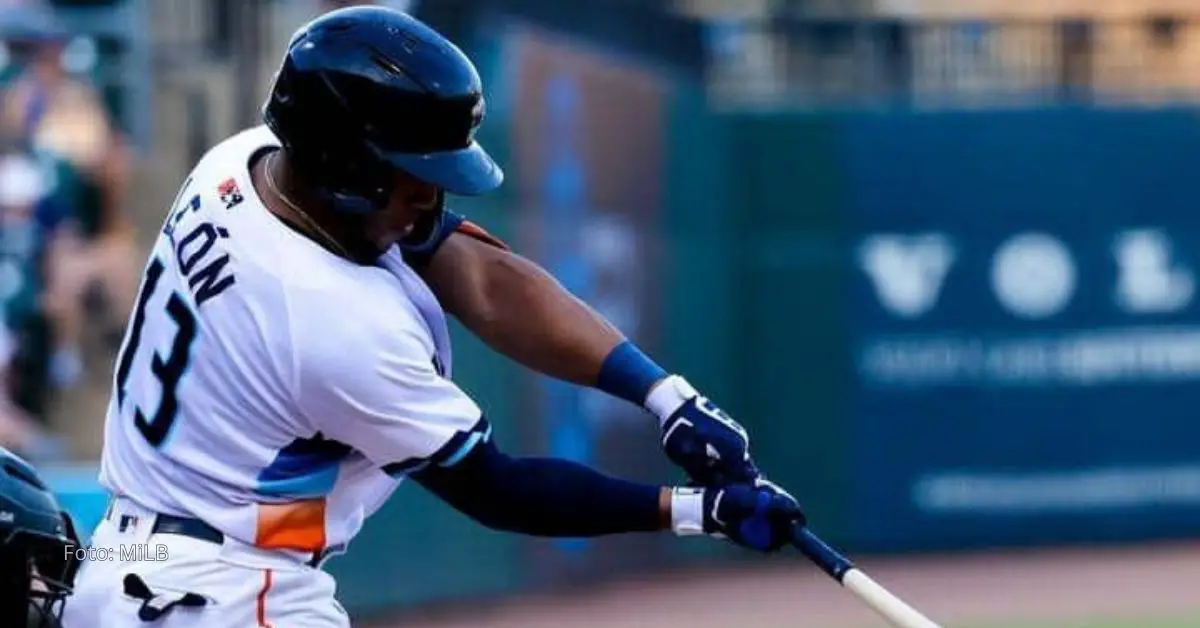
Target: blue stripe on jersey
473,439
307,468
454,450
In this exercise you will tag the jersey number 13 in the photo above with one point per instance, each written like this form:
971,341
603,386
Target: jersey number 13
169,370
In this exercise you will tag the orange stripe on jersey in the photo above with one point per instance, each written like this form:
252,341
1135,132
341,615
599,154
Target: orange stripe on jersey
473,230
296,526
262,599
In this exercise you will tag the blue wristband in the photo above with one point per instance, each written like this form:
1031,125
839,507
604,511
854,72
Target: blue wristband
629,374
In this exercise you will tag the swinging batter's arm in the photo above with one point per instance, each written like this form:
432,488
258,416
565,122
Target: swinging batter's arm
520,310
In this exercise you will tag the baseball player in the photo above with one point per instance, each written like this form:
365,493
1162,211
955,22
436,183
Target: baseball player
288,364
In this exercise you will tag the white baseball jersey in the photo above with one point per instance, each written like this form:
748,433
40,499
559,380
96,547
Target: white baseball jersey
268,387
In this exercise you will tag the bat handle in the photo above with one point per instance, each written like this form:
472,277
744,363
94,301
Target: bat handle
828,559
832,562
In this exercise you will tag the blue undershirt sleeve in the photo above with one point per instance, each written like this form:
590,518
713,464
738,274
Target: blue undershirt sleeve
542,496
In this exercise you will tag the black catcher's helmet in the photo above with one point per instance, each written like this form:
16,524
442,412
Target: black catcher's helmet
365,91
37,548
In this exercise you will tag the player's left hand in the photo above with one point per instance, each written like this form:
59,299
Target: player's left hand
704,441
758,516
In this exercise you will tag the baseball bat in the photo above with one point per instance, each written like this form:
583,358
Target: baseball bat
840,568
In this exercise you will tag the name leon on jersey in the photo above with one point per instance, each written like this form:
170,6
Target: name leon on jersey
206,272
205,268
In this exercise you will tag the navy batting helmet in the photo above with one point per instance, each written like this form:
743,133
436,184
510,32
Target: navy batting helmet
37,548
366,91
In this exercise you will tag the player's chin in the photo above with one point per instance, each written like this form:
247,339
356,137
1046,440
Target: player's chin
394,236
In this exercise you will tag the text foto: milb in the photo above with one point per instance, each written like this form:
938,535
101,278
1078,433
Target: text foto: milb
134,552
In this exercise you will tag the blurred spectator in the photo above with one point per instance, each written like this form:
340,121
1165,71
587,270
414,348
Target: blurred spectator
65,116
30,215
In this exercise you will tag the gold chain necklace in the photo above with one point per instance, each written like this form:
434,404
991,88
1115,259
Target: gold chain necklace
308,220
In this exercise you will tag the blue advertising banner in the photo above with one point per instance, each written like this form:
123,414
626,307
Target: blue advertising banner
1027,326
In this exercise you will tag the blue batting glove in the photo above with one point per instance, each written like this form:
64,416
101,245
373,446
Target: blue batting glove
699,437
759,516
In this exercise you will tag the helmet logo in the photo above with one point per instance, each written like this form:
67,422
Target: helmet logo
7,516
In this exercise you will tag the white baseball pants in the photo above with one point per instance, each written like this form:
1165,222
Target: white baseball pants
231,584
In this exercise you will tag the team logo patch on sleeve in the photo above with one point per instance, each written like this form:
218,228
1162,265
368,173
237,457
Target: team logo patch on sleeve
230,194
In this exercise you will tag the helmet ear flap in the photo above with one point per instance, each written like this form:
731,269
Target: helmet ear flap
333,156
353,178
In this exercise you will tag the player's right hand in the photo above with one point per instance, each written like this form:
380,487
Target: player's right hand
699,437
759,516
